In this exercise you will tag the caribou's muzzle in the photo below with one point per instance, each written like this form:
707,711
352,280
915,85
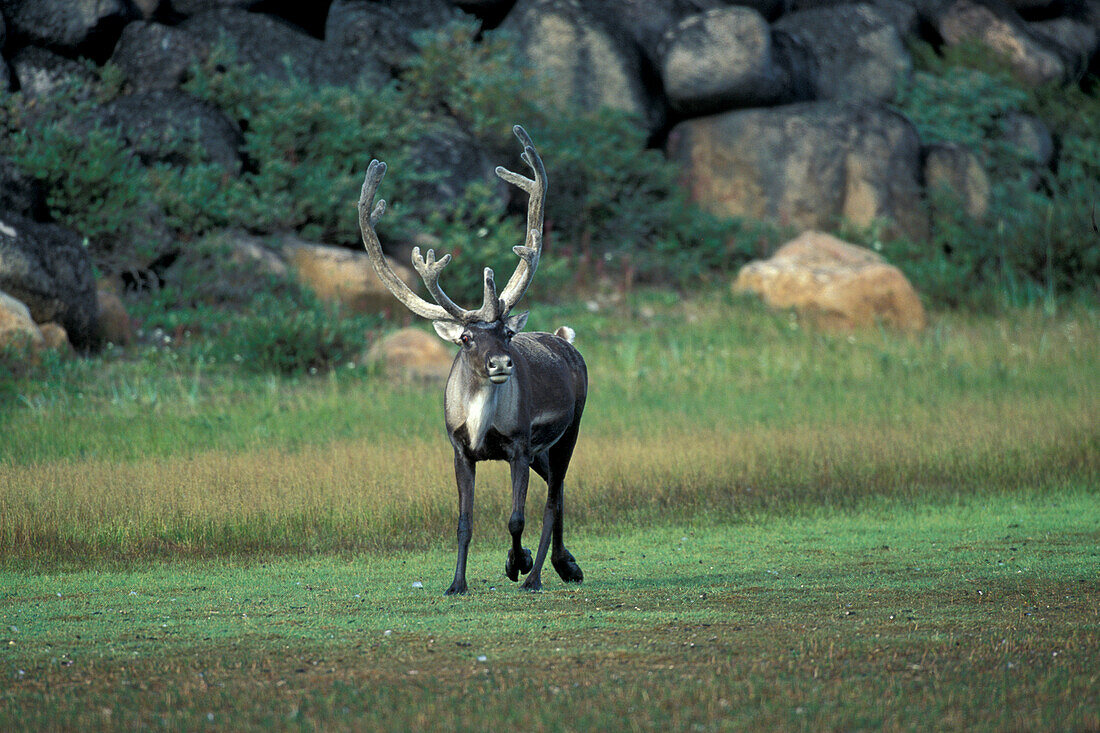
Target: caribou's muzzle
499,368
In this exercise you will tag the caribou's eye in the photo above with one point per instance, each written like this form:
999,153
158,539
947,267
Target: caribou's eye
465,339
509,333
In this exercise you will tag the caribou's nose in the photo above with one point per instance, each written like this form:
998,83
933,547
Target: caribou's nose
499,368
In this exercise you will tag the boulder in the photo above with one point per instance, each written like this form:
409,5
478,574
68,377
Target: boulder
17,328
1030,136
449,160
587,62
155,56
380,35
115,326
905,15
1002,30
858,51
168,126
720,59
55,338
46,267
42,73
89,27
344,276
248,250
834,284
193,7
645,24
1075,41
810,165
413,353
20,192
277,49
955,168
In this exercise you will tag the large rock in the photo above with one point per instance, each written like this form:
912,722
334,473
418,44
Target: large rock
721,59
810,165
645,23
587,61
46,267
1002,30
1074,39
168,126
413,353
155,56
1030,137
17,328
343,276
277,49
381,35
835,284
86,26
42,74
192,7
20,192
858,50
115,324
956,169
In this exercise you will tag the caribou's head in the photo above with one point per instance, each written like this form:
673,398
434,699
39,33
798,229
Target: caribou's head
484,334
485,348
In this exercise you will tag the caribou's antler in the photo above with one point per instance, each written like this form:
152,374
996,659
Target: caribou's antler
430,268
531,249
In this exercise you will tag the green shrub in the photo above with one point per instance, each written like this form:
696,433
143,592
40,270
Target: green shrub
1036,242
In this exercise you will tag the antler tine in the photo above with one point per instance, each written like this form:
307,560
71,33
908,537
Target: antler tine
368,217
429,270
531,249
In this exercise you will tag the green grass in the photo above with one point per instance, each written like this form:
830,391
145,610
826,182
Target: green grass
978,615
704,405
780,528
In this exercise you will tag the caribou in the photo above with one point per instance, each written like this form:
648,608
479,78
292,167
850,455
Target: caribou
510,396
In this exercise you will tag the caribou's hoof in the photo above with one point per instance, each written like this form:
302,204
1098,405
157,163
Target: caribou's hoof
533,583
457,588
512,569
567,568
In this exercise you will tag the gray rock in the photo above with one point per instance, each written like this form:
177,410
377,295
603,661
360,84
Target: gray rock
1030,136
999,27
587,61
46,267
720,59
381,35
71,25
646,22
905,15
20,193
166,126
956,168
155,56
42,73
857,48
277,49
808,165
1075,41
449,160
193,7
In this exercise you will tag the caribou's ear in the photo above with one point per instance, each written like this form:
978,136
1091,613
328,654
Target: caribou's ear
516,322
449,330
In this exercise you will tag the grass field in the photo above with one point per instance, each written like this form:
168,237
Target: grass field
779,528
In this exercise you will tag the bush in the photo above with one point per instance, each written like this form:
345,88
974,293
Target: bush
1036,243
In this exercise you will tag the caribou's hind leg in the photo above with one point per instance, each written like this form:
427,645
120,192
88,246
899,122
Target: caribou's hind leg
552,466
519,558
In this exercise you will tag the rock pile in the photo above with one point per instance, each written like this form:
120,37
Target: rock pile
773,108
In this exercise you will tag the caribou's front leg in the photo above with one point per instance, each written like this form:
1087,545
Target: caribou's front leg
464,476
519,559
